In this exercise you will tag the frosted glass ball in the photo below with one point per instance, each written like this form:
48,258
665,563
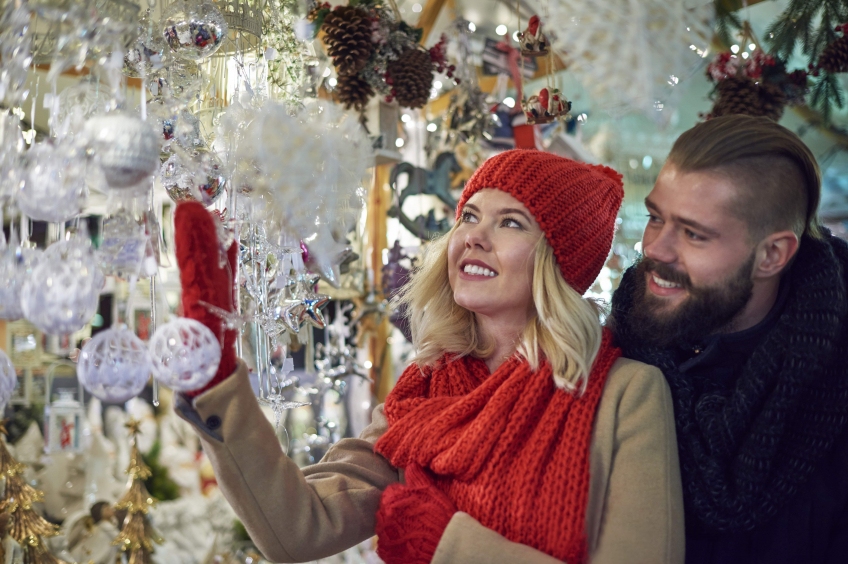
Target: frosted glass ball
185,354
61,294
193,29
54,184
127,147
114,365
8,379
199,178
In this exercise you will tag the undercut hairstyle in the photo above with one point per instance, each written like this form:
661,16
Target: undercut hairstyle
777,176
565,330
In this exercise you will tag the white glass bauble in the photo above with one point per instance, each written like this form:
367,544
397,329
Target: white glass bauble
127,148
193,29
8,379
114,365
54,185
61,294
185,354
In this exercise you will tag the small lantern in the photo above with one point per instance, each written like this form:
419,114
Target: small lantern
63,418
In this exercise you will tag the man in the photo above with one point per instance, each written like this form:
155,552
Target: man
740,299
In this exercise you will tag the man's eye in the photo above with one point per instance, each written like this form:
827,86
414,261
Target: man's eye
653,219
694,236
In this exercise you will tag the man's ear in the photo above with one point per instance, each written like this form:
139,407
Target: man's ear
774,253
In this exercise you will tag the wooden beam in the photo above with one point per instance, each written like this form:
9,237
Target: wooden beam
85,71
428,17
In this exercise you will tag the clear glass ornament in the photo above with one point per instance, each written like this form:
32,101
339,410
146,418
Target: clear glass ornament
185,354
193,29
149,52
61,294
114,365
123,245
8,379
54,185
127,148
180,82
198,179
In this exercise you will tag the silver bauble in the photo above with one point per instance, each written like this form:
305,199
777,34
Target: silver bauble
193,29
198,179
181,81
126,147
54,185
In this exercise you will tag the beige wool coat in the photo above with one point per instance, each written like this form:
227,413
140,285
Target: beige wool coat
634,515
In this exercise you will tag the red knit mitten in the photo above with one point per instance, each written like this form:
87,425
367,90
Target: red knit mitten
412,518
203,280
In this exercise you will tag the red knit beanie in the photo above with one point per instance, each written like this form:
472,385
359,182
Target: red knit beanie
574,203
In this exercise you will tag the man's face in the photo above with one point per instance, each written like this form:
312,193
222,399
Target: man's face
696,273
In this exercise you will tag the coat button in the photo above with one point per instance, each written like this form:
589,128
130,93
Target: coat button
213,422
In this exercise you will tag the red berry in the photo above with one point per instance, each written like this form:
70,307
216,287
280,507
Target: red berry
457,80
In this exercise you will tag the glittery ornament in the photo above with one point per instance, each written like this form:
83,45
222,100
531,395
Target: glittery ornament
16,264
55,182
185,354
61,294
193,29
8,379
149,52
114,365
123,245
126,148
180,82
197,176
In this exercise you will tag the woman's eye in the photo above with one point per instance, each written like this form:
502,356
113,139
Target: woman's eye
509,222
468,217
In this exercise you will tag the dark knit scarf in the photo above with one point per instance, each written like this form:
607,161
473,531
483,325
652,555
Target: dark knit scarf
508,448
745,452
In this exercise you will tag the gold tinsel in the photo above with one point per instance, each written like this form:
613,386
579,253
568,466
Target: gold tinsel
26,526
137,535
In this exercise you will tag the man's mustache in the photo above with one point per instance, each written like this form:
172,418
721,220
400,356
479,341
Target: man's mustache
664,271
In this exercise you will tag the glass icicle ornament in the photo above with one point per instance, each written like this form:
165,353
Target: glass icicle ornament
114,365
185,354
16,264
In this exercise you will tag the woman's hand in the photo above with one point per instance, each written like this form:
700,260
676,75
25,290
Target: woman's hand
412,518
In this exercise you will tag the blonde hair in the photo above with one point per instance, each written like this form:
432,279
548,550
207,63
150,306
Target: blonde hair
565,330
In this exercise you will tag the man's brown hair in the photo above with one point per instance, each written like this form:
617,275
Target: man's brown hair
778,176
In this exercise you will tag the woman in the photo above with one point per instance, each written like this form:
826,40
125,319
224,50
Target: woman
517,435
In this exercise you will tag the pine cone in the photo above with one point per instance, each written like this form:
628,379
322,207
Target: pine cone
736,96
772,100
412,78
348,37
353,91
834,58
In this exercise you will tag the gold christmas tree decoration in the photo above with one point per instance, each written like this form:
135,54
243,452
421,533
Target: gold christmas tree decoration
26,526
137,534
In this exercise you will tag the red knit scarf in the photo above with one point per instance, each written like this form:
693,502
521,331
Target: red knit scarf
509,448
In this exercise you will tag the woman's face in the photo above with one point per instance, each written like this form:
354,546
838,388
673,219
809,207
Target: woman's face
491,254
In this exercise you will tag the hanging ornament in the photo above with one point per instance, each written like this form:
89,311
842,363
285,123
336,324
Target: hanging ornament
533,41
323,255
15,52
61,294
12,164
179,83
149,52
62,423
548,106
411,78
114,365
197,176
126,148
834,57
185,354
16,264
8,379
348,33
55,182
353,91
123,245
193,29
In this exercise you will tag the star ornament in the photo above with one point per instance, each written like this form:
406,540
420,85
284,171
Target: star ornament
312,313
134,426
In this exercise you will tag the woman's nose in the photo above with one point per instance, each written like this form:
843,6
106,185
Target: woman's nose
478,237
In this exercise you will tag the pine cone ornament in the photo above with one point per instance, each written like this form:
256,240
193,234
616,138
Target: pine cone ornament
772,100
353,91
348,37
834,58
411,78
736,96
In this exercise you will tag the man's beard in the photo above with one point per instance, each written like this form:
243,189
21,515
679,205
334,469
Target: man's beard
703,312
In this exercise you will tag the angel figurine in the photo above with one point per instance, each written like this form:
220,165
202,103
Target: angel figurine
546,107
